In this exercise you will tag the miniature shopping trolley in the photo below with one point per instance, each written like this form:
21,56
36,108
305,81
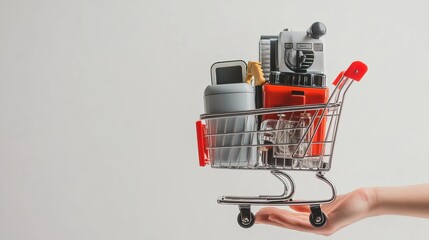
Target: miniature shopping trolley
279,139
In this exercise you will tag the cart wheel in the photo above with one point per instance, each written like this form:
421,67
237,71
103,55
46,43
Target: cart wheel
318,221
246,223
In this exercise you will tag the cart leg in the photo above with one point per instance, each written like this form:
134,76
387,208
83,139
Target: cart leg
245,218
317,217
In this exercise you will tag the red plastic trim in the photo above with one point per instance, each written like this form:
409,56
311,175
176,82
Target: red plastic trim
337,80
202,151
356,70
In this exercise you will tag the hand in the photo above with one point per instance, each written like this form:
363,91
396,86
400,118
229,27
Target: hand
344,210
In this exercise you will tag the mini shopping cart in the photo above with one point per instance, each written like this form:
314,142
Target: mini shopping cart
279,139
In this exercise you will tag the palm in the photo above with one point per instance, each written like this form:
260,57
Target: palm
346,209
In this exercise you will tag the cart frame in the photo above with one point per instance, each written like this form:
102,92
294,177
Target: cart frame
329,113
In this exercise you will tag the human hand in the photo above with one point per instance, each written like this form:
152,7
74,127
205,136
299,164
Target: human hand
344,210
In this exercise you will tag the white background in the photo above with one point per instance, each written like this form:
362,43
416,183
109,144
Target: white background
98,101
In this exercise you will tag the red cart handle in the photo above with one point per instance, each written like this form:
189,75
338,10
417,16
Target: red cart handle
337,80
202,150
356,70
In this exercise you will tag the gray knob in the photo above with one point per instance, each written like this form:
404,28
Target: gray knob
317,30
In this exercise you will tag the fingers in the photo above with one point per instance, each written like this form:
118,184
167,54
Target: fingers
265,213
299,219
291,222
263,218
300,208
284,218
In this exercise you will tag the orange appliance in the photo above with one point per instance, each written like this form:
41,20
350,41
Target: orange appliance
291,89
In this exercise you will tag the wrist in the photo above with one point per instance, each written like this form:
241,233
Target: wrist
373,201
365,200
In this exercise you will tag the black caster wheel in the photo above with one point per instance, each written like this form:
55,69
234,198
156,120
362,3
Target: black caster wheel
246,222
318,221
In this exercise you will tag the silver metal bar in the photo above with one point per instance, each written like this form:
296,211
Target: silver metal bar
242,140
281,199
263,111
287,194
210,151
338,121
267,145
306,132
276,167
256,131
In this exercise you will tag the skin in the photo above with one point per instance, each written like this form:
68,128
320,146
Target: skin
352,207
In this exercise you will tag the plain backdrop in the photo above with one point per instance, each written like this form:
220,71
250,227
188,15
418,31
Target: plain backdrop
98,103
